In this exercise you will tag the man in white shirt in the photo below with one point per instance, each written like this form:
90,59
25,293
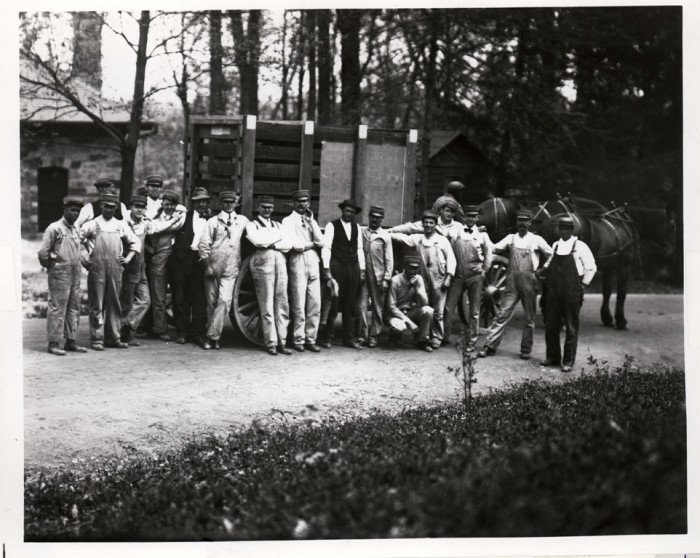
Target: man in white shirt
567,272
91,210
303,266
446,225
344,260
269,269
186,274
524,252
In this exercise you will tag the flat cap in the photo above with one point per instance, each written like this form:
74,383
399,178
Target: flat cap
72,200
300,194
139,199
523,214
171,196
429,214
104,182
452,204
376,210
200,194
108,197
154,179
411,261
350,203
227,195
566,221
266,199
471,209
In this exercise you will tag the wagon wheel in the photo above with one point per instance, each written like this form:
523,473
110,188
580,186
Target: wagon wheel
494,285
245,312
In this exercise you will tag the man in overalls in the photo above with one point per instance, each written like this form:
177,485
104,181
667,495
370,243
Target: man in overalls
438,263
524,252
304,266
220,254
269,269
60,255
344,260
567,272
379,266
105,238
473,250
91,210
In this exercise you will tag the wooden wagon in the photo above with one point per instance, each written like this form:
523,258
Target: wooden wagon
254,157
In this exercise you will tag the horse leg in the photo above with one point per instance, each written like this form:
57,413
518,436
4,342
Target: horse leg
623,274
605,314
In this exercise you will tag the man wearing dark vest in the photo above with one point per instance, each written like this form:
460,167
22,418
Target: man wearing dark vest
186,273
92,210
567,272
525,252
344,260
269,269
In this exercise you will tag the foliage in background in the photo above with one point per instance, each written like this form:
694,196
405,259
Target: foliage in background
604,454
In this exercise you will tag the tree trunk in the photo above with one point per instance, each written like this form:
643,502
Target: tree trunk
246,49
349,25
284,101
217,104
429,86
325,67
311,46
301,66
128,149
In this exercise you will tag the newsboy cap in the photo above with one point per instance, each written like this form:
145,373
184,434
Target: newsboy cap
471,209
429,214
300,194
452,204
411,261
171,196
376,210
566,221
109,198
72,200
200,194
154,179
351,204
104,182
227,195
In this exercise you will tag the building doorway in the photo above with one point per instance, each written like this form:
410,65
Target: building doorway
53,187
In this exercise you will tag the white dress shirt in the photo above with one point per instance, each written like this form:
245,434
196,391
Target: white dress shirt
329,234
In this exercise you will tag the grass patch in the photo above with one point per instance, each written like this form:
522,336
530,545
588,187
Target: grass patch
603,454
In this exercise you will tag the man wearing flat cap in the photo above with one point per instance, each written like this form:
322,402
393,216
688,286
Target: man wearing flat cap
269,269
344,260
60,255
474,253
303,266
407,307
154,189
92,210
437,265
567,272
186,274
220,255
167,221
106,239
379,267
525,252
452,195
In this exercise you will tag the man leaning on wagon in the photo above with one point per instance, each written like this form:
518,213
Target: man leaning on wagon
60,255
525,250
379,267
303,265
269,270
220,254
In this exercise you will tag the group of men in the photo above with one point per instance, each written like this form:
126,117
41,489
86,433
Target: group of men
300,272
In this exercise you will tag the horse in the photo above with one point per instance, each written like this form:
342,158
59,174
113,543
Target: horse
609,233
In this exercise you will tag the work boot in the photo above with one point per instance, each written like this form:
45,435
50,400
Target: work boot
97,346
73,347
425,346
164,337
312,347
485,352
271,351
118,345
372,343
54,349
283,350
127,337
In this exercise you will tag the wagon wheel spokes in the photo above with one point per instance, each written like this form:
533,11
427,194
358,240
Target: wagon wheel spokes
245,312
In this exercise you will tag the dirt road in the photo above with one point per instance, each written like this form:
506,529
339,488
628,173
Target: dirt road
156,396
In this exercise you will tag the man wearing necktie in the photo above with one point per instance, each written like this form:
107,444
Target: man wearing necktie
303,266
269,270
220,256
187,274
474,254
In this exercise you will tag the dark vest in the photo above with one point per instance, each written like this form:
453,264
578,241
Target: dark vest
342,249
96,211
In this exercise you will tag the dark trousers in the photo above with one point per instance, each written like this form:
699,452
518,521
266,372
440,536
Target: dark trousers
348,277
188,296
